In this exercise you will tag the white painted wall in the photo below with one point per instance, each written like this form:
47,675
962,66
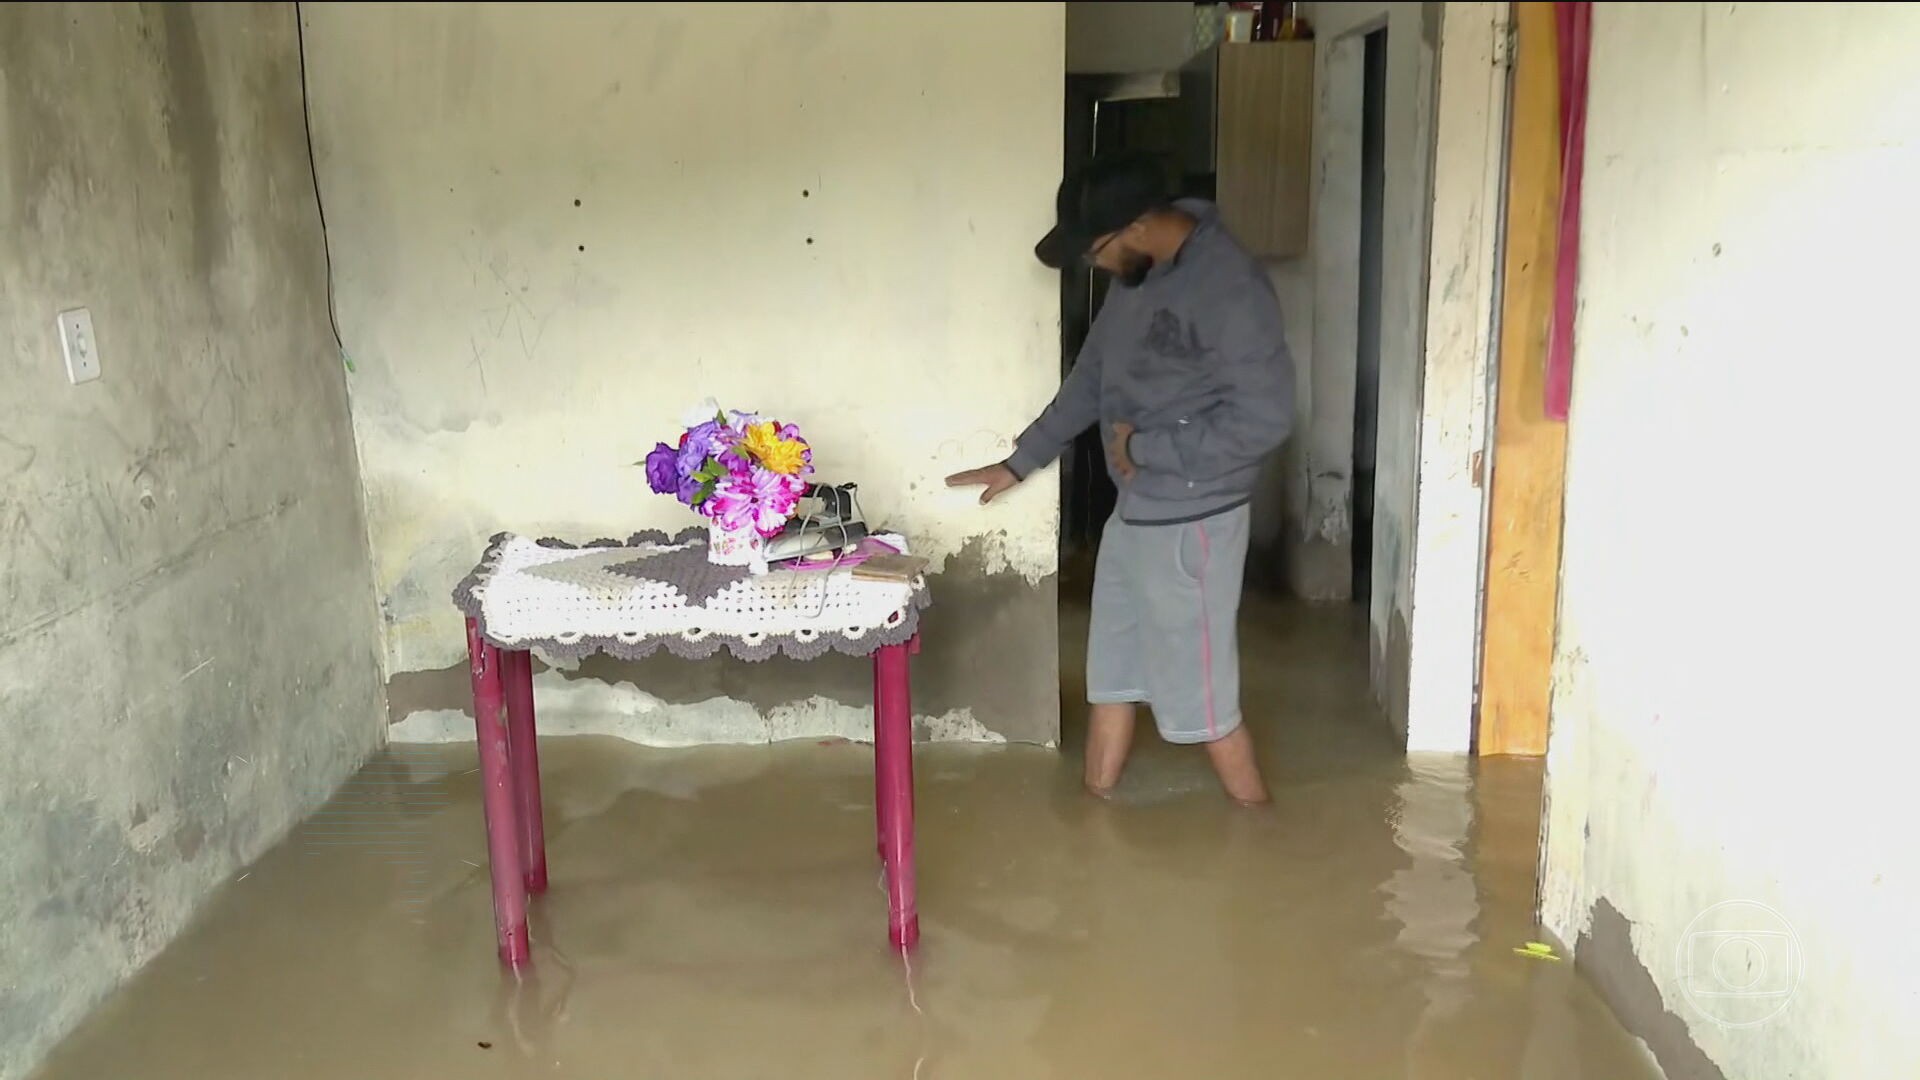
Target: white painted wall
1412,48
1444,102
1325,467
1322,450
1732,717
1280,498
820,210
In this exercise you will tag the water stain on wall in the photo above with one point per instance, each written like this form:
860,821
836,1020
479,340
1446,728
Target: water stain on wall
1605,953
193,133
989,648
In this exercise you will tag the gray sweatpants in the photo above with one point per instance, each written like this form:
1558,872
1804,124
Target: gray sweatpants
1166,600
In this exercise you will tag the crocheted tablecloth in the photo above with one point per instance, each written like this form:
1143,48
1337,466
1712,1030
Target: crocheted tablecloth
629,599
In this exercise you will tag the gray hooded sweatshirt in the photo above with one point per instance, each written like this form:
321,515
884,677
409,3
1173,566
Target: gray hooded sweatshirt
1195,359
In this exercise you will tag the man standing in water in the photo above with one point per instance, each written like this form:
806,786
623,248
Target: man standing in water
1186,371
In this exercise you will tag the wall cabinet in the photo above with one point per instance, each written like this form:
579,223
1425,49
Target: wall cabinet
1264,145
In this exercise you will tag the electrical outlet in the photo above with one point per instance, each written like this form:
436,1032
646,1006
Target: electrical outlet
78,345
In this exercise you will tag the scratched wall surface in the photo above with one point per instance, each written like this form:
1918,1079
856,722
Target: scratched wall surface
188,655
557,226
1319,533
1733,718
1442,604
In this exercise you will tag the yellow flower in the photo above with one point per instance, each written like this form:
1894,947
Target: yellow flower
784,456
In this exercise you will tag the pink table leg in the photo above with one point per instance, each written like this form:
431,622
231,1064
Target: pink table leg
913,649
517,671
879,751
893,761
504,839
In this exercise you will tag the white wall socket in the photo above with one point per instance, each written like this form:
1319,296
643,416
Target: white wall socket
77,343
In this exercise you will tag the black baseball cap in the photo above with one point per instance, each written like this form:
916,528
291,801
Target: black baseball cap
1103,196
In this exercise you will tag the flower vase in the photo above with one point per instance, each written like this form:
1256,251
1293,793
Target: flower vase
736,547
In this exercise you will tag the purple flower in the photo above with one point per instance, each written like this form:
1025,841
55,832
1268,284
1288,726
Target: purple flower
697,445
711,470
663,474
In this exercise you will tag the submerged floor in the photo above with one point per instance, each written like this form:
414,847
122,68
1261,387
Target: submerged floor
716,913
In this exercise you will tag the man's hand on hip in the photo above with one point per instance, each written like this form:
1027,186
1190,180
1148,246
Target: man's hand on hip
1117,455
996,479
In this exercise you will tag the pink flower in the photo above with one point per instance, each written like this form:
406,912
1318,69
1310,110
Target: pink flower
731,506
760,499
735,468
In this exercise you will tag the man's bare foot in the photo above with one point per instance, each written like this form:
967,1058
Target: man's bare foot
1109,741
1239,772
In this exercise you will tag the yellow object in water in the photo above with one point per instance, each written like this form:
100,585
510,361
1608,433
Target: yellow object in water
1537,950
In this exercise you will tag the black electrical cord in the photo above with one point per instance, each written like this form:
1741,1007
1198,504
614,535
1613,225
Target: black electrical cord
313,169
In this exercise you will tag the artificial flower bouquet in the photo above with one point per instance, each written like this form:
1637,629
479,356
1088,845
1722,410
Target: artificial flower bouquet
743,472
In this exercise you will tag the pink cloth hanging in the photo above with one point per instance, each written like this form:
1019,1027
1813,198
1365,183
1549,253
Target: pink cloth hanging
1574,22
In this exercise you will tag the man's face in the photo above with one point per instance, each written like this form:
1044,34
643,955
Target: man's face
1116,253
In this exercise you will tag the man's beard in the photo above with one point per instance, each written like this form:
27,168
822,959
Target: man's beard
1134,268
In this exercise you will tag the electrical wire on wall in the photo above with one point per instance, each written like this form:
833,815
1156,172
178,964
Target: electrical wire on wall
313,170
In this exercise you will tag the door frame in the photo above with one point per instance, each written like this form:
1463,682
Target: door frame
1467,184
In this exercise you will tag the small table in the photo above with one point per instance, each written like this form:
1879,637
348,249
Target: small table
631,598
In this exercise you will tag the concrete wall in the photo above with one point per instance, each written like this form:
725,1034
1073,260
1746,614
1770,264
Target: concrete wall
556,226
188,655
1444,112
1319,528
1731,720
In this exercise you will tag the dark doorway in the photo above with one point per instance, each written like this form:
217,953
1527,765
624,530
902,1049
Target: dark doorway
1366,395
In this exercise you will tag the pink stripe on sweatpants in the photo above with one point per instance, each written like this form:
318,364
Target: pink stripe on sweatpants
1206,631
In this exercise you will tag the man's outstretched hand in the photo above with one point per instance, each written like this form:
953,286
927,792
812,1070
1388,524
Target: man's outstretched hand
996,479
